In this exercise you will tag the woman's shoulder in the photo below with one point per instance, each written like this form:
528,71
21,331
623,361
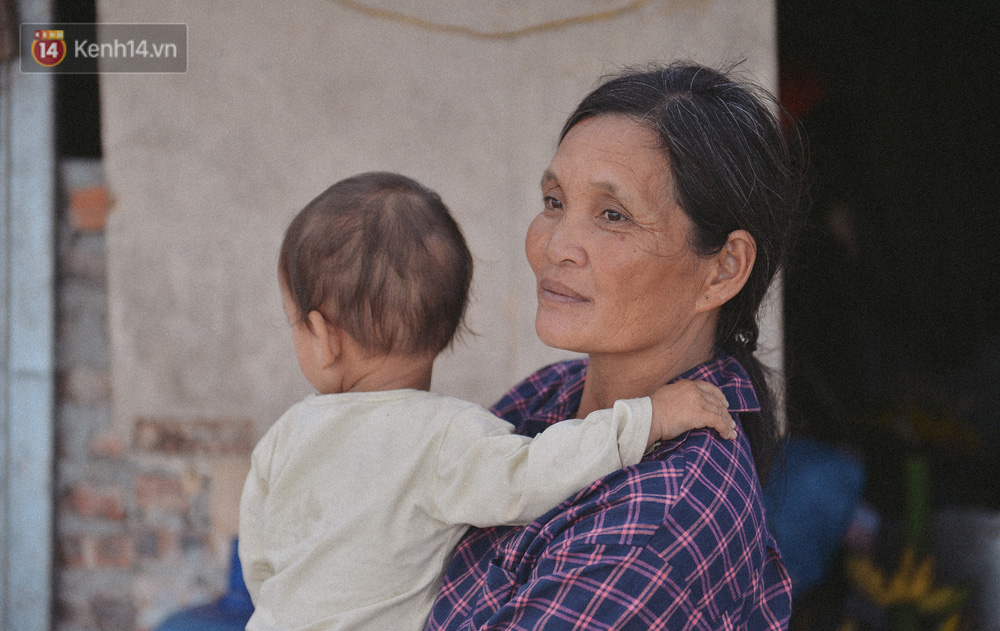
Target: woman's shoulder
695,504
696,484
552,392
717,486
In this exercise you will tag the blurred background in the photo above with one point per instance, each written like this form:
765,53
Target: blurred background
146,351
892,301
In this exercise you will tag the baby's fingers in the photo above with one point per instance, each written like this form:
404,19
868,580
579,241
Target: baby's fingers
712,393
723,423
729,425
715,415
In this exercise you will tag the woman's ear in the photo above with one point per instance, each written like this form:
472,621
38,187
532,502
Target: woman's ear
731,269
326,337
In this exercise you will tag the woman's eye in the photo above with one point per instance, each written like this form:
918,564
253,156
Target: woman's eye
613,215
551,202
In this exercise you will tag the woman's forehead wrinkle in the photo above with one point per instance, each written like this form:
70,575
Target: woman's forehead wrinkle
617,164
607,187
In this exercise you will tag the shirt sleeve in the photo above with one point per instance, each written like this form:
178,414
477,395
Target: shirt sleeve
253,561
488,476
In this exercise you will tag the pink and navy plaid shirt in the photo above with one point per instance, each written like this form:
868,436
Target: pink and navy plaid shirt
676,542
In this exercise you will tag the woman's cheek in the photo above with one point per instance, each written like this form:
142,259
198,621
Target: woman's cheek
533,242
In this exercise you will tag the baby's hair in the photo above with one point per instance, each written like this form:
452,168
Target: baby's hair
380,256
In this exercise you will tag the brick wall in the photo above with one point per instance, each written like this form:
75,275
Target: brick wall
143,522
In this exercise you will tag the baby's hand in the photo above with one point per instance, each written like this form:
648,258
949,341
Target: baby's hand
686,405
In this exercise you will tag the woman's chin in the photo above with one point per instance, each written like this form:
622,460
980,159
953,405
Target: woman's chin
559,335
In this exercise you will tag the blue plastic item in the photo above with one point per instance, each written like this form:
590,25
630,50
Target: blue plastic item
810,499
228,613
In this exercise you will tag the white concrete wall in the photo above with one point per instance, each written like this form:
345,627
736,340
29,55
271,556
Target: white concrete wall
283,99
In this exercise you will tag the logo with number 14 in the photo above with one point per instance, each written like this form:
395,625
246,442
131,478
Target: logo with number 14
48,48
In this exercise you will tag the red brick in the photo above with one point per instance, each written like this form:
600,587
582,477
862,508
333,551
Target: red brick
223,437
89,502
92,551
107,445
89,208
160,492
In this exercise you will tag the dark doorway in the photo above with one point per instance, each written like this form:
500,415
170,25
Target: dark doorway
893,295
78,108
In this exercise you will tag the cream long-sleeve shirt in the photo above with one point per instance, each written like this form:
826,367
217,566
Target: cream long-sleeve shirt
355,501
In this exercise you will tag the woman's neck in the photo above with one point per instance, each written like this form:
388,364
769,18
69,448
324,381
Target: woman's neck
626,376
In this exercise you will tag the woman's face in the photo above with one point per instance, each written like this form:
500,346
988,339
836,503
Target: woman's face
610,247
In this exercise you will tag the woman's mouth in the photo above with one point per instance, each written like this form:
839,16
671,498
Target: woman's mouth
557,292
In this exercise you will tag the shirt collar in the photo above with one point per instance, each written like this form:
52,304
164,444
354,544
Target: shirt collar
724,371
730,377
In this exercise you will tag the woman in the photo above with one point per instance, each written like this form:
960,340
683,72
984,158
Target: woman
667,210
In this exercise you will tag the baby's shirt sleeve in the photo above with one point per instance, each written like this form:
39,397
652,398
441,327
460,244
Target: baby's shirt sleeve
489,476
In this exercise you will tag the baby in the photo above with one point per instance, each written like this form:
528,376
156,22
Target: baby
358,494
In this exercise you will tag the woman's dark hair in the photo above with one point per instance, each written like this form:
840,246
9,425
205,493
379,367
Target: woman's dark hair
734,167
380,255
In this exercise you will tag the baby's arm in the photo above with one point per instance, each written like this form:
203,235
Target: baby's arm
488,476
685,405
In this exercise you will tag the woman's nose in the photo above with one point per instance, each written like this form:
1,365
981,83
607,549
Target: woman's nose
564,244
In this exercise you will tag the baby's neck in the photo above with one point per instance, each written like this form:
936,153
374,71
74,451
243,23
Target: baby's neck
389,372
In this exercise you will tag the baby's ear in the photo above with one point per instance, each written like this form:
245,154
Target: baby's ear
326,335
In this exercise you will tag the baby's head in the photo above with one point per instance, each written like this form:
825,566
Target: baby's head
381,257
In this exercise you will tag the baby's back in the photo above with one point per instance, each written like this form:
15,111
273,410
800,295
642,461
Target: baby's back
338,527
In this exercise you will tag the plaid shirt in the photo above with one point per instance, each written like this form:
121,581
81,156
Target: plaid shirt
676,542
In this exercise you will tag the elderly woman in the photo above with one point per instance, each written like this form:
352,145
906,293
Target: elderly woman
666,212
